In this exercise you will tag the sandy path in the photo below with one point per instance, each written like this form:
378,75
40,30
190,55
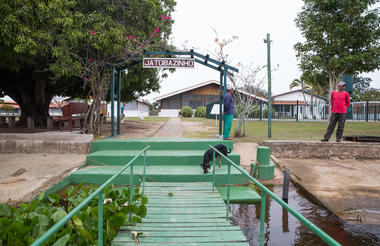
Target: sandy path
23,176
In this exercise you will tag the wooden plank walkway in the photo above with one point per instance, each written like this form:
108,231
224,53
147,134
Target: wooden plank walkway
183,214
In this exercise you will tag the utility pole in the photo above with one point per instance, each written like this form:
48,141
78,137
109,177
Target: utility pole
267,41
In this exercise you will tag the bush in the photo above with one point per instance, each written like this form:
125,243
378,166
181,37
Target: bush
186,112
23,225
200,112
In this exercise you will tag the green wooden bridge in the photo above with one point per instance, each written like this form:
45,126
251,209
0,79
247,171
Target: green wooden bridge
186,206
183,207
191,215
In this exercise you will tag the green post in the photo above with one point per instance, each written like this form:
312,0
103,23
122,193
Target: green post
262,217
225,90
228,191
213,171
225,81
297,111
112,100
264,167
367,111
263,155
220,104
130,192
267,41
118,100
375,114
100,218
261,110
144,171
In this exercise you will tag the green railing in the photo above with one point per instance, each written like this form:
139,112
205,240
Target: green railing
98,192
264,191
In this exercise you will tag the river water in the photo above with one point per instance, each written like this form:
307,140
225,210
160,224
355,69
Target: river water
282,228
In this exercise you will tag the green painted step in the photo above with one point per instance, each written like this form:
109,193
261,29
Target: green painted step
153,157
183,244
188,224
164,173
158,144
240,194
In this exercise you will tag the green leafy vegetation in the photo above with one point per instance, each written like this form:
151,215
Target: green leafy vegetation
200,112
63,47
341,37
23,225
186,112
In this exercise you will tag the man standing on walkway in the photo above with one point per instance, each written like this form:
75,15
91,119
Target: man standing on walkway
228,112
340,100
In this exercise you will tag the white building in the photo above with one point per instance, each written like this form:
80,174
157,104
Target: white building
136,108
288,104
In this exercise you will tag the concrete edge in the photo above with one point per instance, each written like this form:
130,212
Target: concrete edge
314,149
41,146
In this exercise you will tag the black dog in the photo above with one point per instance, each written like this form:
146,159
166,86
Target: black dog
208,156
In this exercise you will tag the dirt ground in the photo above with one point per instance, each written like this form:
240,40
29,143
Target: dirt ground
23,176
134,129
189,128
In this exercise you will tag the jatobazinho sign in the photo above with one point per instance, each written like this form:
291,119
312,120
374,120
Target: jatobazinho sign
168,63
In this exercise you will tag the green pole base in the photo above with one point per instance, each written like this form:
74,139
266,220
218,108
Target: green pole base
266,172
263,155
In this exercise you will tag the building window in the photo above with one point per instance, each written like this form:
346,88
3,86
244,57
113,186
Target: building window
192,101
212,99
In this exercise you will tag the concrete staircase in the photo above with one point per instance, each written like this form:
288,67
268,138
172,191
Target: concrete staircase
168,160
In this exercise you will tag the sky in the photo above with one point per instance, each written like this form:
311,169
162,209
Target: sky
250,20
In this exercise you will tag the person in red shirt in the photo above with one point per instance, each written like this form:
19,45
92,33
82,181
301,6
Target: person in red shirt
340,100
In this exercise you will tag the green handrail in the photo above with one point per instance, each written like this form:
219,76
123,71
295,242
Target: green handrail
265,191
98,192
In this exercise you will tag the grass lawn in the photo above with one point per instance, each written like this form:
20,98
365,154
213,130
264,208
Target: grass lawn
287,130
313,131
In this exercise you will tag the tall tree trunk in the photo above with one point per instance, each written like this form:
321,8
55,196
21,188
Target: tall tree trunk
331,89
93,120
32,95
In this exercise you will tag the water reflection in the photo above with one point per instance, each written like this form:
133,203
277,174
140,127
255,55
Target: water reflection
282,228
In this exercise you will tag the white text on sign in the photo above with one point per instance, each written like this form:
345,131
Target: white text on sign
168,63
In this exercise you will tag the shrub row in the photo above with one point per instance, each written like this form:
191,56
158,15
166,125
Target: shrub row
187,112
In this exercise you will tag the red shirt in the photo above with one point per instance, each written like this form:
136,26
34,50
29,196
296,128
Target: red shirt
340,101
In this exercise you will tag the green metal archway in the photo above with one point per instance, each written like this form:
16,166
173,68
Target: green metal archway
205,60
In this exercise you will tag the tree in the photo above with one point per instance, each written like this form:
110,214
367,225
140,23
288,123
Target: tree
341,37
67,47
361,85
316,82
28,31
372,94
246,83
302,84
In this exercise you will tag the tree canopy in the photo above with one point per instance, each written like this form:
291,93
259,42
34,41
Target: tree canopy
362,90
64,47
342,37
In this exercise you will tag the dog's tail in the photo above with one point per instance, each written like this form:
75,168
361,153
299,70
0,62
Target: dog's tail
229,151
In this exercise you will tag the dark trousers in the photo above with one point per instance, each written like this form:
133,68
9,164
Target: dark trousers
339,118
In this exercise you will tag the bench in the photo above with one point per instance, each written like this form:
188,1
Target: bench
71,112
